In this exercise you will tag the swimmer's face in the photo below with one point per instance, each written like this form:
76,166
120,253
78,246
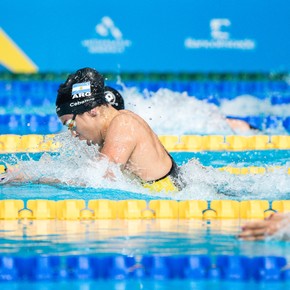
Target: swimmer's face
84,127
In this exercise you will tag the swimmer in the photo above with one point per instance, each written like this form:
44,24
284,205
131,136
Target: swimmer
259,230
85,105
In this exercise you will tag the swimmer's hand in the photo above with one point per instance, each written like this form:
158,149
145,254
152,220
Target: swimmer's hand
11,174
259,230
4,178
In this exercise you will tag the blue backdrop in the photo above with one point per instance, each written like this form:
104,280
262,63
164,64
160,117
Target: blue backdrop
149,35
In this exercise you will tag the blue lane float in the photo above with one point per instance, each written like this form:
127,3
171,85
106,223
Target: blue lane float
29,124
153,267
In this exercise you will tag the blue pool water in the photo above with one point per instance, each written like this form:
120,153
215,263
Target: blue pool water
24,238
147,284
141,237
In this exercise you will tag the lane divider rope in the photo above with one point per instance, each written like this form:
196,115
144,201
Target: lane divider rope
10,143
79,209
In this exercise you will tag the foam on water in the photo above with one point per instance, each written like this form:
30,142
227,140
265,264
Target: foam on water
209,183
249,105
169,112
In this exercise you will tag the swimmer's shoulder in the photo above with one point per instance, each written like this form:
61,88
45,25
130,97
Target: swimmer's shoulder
126,117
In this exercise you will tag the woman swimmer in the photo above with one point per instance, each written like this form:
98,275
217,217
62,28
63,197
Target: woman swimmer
85,105
95,113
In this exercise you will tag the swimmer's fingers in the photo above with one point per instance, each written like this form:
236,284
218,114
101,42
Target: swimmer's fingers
4,178
253,231
260,224
276,217
252,237
253,234
258,230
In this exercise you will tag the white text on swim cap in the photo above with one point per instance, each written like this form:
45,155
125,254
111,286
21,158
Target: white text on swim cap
80,102
81,95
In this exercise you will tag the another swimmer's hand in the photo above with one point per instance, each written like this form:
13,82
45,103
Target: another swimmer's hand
259,230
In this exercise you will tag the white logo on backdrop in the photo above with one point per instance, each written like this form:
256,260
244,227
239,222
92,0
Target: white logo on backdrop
220,38
109,38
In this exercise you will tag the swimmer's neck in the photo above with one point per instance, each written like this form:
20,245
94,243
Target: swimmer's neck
107,114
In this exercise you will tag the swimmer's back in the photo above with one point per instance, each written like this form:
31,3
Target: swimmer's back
148,159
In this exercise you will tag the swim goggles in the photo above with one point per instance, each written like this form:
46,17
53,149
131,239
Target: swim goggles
71,124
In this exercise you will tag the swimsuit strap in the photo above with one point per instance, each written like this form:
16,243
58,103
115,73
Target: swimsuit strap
172,172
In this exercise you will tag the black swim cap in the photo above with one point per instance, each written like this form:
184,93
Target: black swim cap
81,92
114,98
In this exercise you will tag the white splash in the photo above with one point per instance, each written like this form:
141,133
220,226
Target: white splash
248,105
77,164
169,112
210,183
174,113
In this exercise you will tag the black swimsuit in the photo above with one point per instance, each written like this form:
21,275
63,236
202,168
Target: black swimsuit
174,174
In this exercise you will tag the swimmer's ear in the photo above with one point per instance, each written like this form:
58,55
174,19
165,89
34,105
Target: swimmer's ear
93,112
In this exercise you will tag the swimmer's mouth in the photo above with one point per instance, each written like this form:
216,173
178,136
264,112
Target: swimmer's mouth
89,142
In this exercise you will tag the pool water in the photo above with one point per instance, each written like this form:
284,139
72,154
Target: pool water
144,237
131,238
203,183
147,284
134,238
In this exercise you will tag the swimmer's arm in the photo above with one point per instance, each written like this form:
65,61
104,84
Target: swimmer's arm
7,177
120,142
12,174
